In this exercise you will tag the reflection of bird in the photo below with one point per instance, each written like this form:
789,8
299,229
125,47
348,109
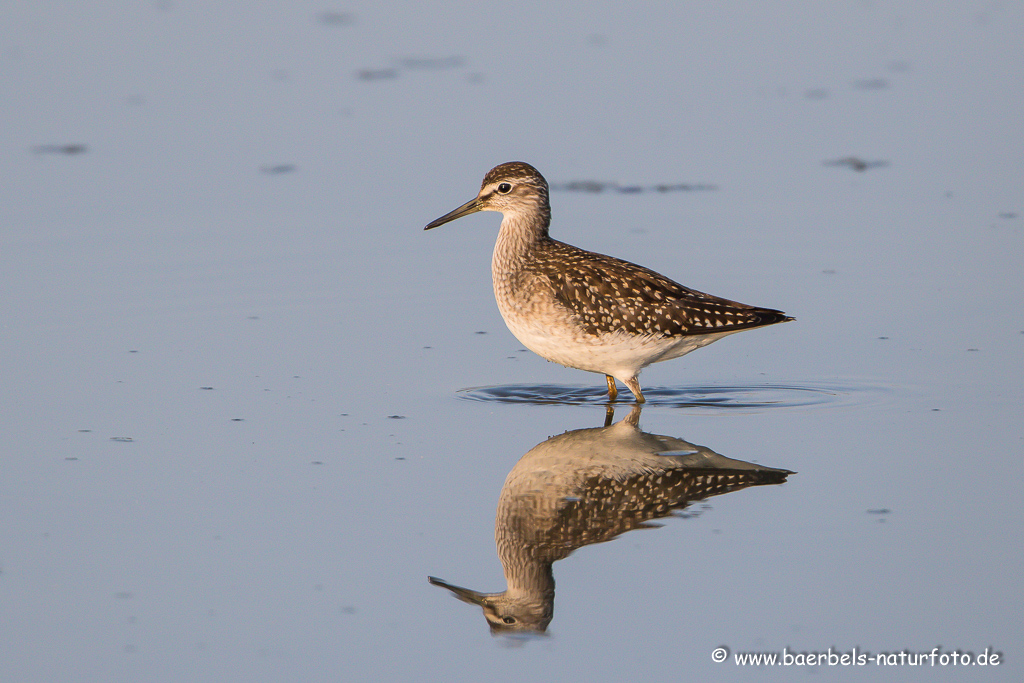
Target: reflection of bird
588,486
587,310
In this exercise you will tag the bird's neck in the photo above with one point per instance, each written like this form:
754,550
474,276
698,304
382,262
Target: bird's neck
518,236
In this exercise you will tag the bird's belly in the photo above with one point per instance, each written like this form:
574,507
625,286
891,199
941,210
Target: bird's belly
546,327
618,354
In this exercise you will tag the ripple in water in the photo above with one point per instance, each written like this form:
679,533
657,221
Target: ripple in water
756,397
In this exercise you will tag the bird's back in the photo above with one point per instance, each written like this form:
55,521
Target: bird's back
608,294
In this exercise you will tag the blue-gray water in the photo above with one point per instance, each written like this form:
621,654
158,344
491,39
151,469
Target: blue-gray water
248,405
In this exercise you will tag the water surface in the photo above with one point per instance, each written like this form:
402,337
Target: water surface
249,406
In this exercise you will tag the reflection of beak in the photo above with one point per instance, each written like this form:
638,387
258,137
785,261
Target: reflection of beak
469,207
464,594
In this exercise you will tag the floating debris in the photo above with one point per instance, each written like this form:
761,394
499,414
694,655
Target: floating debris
856,164
330,18
376,74
70,149
871,84
278,169
597,187
880,513
411,64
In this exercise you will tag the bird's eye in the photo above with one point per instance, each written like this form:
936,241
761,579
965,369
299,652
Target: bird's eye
504,188
508,620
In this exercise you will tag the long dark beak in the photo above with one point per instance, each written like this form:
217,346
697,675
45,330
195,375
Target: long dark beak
464,594
469,207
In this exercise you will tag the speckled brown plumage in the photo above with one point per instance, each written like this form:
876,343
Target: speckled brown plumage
587,310
609,294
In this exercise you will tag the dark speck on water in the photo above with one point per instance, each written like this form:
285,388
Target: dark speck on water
335,18
376,74
856,164
69,150
278,169
597,187
396,417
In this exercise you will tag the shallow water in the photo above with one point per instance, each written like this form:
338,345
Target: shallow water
733,398
250,406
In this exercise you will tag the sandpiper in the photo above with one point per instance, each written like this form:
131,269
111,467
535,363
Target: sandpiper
586,310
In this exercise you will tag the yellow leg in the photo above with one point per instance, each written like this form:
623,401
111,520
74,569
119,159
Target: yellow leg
612,389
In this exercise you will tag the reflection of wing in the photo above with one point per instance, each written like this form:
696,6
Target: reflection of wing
554,523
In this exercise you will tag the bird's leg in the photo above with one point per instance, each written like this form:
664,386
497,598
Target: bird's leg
634,415
612,390
634,386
